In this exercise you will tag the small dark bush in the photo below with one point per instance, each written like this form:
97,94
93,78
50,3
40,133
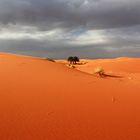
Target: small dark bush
73,59
49,59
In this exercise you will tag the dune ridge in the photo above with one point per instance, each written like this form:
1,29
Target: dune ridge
42,100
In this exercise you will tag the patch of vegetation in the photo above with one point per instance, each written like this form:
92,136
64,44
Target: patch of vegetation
70,59
73,59
99,71
49,59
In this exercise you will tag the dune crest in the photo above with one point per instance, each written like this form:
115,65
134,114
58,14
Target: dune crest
41,100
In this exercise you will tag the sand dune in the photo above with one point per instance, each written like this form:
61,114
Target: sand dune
42,100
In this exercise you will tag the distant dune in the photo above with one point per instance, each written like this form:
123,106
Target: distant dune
43,100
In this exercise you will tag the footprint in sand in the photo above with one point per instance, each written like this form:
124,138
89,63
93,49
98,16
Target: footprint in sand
114,100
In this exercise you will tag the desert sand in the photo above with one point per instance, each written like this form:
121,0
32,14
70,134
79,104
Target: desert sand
43,100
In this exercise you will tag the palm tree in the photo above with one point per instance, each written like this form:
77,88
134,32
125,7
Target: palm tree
70,59
76,59
73,60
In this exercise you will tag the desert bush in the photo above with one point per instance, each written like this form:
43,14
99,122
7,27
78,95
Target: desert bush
100,71
73,59
49,59
70,59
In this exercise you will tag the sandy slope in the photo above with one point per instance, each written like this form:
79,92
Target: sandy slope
42,100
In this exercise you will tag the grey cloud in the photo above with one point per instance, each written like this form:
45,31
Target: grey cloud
49,14
62,49
118,19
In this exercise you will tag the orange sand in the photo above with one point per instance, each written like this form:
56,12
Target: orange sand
42,100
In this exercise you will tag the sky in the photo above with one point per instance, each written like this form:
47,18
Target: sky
61,28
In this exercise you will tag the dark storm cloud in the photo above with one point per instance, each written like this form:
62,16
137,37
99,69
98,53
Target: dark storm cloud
58,28
58,49
70,14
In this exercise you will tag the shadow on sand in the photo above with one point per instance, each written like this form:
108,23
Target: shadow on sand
109,75
80,63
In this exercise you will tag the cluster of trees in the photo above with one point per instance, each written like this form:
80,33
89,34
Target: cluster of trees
73,59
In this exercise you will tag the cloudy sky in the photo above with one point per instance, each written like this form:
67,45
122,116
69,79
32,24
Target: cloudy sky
59,28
